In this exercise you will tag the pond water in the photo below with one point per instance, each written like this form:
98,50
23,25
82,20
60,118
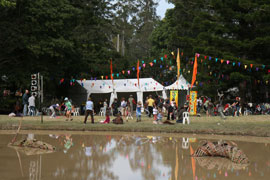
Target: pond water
105,156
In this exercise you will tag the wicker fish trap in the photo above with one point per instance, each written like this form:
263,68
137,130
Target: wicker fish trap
222,149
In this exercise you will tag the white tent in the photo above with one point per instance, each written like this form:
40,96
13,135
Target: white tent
122,85
180,84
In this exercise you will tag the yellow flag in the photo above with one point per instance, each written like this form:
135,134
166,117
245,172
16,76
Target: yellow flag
178,64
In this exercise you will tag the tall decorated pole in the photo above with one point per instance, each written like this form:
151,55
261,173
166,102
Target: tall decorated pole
178,64
193,94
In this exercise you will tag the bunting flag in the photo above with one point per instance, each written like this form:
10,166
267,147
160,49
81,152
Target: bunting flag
111,71
178,64
191,62
138,72
194,72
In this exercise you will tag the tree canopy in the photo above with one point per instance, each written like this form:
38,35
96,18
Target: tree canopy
74,39
236,31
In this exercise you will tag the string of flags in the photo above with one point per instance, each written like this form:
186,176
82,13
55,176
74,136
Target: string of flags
204,59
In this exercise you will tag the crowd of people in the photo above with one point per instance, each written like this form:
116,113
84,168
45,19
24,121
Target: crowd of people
155,108
29,107
235,108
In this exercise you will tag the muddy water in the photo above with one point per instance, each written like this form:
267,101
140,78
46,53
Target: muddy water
112,156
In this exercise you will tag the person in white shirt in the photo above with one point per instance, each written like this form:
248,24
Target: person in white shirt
123,107
105,105
31,102
52,109
155,113
89,107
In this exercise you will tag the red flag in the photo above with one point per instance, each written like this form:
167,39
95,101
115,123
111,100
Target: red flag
138,72
194,72
111,71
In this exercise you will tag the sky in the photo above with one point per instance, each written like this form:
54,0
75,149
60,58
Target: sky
162,7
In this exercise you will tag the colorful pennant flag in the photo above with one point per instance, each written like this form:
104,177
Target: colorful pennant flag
111,71
194,72
138,72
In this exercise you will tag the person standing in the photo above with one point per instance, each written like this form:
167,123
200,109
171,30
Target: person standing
206,108
115,107
123,107
25,98
150,103
155,113
130,101
89,110
170,109
139,111
32,106
68,109
105,105
159,116
199,105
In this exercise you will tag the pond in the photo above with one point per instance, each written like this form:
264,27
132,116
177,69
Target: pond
102,156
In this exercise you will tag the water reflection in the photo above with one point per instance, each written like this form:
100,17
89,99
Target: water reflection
218,163
127,157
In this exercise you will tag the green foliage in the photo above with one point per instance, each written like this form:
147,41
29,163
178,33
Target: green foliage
235,30
58,38
7,3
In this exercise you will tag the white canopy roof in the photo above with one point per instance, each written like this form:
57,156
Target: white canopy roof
180,84
121,85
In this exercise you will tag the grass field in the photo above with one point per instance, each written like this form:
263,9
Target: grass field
244,125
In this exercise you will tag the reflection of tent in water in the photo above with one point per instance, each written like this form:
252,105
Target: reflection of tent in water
219,163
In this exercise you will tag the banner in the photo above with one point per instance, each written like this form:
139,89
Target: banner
178,64
111,67
174,95
138,73
194,72
193,103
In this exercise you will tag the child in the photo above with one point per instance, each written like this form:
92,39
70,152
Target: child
139,111
159,116
118,119
68,109
107,120
128,111
155,112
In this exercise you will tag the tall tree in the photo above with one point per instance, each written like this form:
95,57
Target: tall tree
145,22
236,30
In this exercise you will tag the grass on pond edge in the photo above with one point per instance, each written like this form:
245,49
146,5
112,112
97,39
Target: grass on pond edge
244,125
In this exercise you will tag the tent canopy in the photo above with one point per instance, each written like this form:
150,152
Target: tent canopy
180,84
130,85
121,85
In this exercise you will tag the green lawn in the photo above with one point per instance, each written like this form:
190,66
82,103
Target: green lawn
244,125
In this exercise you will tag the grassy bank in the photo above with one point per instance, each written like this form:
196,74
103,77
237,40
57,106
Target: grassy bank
245,125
